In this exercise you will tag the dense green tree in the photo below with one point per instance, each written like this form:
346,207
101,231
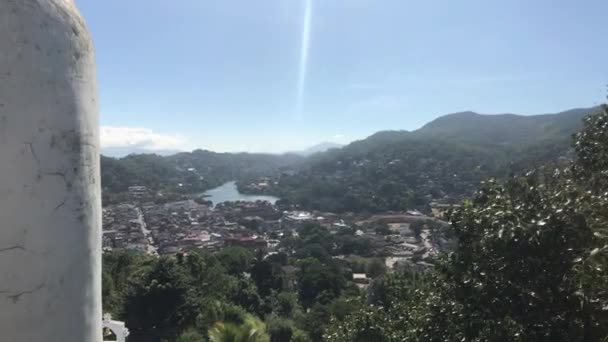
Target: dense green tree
300,336
279,329
519,247
592,151
366,325
375,268
389,314
348,244
118,270
315,234
210,311
209,275
393,288
158,303
279,258
315,320
232,313
246,295
343,306
190,336
251,330
318,282
267,276
313,250
236,260
286,304
109,295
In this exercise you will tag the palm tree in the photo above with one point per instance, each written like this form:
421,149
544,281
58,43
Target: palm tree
252,330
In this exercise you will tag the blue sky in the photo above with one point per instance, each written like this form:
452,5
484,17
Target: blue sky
230,75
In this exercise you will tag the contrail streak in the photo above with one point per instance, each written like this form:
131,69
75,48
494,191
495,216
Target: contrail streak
304,47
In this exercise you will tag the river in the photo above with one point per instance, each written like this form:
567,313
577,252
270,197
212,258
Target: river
229,192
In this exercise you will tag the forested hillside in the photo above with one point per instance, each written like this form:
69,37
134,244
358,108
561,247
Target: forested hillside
196,171
505,129
444,160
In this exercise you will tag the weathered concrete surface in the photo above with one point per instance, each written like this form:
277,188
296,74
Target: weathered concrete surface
50,222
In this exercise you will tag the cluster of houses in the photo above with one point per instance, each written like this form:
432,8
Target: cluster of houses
407,239
176,226
123,228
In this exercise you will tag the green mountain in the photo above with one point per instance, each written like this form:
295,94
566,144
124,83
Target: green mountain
445,159
504,129
493,129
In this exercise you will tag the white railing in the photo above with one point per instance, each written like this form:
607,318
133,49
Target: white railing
117,327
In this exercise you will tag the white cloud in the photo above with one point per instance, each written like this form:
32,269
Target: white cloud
146,138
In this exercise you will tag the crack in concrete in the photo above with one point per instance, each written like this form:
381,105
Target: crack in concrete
59,206
12,248
15,298
67,184
31,145
60,174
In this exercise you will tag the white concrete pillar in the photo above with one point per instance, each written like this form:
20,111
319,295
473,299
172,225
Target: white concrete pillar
50,210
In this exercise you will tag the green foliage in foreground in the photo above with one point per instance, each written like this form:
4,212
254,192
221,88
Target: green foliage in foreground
251,330
592,151
531,264
196,296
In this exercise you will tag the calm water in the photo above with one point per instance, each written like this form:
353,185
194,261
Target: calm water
229,192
